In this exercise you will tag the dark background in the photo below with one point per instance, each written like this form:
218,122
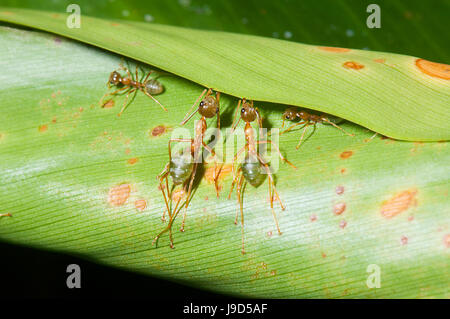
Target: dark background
34,273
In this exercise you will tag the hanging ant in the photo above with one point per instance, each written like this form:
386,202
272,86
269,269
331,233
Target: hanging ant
254,168
128,84
182,169
179,168
308,119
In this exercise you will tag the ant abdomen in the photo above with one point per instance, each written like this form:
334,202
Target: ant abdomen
180,168
153,87
252,171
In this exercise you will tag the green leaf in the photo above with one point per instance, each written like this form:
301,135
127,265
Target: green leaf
62,157
398,96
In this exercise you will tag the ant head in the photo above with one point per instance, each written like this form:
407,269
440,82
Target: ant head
114,78
290,114
248,112
208,107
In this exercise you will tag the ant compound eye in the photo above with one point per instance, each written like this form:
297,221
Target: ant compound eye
288,117
242,110
202,103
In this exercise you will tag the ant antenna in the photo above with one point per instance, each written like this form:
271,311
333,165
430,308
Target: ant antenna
234,125
188,117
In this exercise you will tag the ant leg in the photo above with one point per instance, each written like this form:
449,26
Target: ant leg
278,151
6,215
272,191
191,182
167,228
235,179
169,195
336,126
148,75
215,176
291,127
235,158
240,196
125,103
218,110
163,176
165,172
151,96
136,73
101,103
258,116
186,140
189,114
234,125
303,135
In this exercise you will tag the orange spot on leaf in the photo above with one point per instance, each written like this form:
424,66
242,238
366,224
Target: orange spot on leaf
339,208
158,130
334,49
221,172
108,104
381,60
346,154
133,160
342,224
404,240
118,195
340,190
438,70
43,128
398,204
140,204
353,65
447,240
